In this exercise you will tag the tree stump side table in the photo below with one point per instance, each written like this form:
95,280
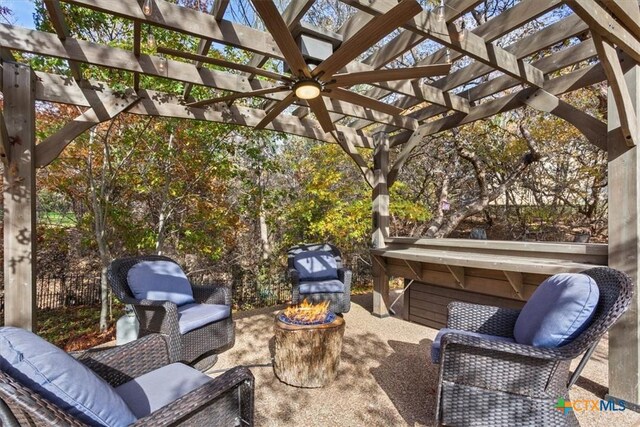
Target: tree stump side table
308,355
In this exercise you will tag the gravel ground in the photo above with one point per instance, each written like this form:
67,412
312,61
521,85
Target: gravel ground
385,378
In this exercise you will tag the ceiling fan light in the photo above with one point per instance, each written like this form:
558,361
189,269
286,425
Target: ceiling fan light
307,89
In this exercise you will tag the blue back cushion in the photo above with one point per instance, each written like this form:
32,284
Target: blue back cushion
59,378
558,311
160,281
316,265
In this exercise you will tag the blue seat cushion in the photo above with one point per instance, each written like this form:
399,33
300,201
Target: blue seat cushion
153,390
321,286
160,281
194,316
62,380
435,347
315,265
558,311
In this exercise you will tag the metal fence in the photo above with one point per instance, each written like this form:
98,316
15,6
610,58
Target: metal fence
59,291
55,291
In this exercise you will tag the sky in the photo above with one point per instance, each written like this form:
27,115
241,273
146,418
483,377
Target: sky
22,12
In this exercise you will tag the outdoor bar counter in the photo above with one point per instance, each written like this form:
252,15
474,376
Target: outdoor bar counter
494,272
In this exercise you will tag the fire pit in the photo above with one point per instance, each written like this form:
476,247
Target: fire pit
308,342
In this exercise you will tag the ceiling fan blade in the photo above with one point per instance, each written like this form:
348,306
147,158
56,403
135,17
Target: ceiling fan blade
223,63
366,37
320,110
282,36
276,110
390,74
363,101
238,95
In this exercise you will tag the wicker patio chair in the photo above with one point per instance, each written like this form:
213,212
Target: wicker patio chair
495,383
336,289
227,400
198,347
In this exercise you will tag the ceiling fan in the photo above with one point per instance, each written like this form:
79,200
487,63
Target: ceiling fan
312,84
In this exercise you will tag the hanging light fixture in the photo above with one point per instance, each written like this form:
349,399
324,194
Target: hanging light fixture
447,56
307,89
147,7
462,34
151,40
439,11
162,64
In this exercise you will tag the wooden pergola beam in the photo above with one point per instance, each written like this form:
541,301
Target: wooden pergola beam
593,129
102,110
473,45
548,64
621,94
56,17
627,12
188,21
5,147
137,35
602,23
408,39
191,22
19,189
520,14
59,89
218,8
48,44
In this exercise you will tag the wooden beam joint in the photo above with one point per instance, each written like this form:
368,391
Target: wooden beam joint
516,282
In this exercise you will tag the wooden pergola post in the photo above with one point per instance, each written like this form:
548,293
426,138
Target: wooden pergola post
380,220
624,242
18,89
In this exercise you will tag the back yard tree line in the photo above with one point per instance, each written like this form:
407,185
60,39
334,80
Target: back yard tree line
230,200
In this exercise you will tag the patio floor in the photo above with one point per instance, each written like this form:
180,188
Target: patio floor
385,377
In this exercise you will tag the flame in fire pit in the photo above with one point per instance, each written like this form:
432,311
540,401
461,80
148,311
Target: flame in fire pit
306,313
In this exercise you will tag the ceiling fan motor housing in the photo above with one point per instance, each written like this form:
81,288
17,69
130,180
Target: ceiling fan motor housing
315,44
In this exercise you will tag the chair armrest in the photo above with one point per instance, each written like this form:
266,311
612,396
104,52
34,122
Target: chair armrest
197,401
503,366
512,348
344,275
484,319
117,365
212,294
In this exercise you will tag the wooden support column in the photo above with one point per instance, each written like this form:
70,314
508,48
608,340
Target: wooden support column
624,243
380,223
19,197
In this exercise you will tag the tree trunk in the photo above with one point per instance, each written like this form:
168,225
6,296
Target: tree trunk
99,228
165,206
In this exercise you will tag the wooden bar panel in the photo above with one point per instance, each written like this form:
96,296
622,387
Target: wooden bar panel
427,303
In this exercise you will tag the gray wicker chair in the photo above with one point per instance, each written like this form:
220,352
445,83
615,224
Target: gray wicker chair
340,301
493,383
199,347
227,400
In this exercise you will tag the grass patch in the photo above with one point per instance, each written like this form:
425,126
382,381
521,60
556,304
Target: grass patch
57,219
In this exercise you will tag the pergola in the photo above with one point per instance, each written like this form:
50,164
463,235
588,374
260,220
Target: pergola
360,102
